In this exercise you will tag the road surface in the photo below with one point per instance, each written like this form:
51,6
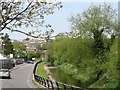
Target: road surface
21,77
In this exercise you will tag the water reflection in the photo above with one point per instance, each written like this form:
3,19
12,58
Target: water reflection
63,77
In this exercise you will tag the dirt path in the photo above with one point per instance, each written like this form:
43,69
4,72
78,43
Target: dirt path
48,71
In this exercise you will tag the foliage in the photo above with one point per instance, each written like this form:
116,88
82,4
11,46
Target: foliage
19,49
1,34
14,15
38,47
7,45
27,39
76,57
33,54
72,50
105,83
49,47
111,78
91,56
97,22
60,35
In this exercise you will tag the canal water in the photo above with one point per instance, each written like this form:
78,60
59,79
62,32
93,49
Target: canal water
63,77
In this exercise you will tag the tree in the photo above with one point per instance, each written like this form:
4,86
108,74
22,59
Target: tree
38,47
1,34
60,35
33,54
27,39
7,45
19,49
14,15
98,22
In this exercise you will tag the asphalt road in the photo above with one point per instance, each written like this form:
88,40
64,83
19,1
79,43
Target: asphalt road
21,77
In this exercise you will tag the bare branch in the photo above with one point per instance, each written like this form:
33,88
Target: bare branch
17,15
38,36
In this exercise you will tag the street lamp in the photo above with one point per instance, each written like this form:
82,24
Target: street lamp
13,51
0,45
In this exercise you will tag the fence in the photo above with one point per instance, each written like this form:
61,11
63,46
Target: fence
54,85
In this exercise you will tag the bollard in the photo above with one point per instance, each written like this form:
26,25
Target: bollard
48,83
40,80
44,82
57,86
51,84
72,88
64,86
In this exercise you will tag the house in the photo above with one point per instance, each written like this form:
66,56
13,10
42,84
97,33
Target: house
31,44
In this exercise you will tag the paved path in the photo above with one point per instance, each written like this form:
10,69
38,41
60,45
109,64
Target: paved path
21,77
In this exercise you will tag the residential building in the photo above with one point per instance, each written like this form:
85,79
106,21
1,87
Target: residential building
31,44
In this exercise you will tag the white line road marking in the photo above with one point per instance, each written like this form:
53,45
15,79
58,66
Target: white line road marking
29,81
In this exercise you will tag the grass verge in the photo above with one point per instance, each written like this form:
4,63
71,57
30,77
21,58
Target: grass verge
41,71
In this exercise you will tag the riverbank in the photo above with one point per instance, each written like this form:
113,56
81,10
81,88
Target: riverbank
79,74
83,78
43,70
88,77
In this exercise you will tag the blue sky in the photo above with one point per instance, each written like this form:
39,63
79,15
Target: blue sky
59,21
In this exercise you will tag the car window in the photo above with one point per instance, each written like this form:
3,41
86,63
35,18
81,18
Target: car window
3,70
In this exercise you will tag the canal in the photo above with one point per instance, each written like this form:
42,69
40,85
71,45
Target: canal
63,77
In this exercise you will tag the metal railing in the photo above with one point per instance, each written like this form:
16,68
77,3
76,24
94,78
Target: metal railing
54,85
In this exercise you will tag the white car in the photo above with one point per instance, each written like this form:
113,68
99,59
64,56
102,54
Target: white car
5,73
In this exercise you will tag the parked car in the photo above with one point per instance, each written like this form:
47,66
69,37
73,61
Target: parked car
5,73
30,62
6,63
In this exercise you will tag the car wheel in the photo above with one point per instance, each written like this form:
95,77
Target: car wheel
9,77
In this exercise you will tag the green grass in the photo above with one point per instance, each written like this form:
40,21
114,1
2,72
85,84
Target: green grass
41,71
105,83
37,59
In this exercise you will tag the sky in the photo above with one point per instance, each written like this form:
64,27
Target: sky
59,20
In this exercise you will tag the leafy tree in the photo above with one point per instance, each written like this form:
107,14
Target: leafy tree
113,66
19,49
60,35
27,39
33,54
7,45
1,34
14,15
90,51
71,50
38,47
49,46
97,22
